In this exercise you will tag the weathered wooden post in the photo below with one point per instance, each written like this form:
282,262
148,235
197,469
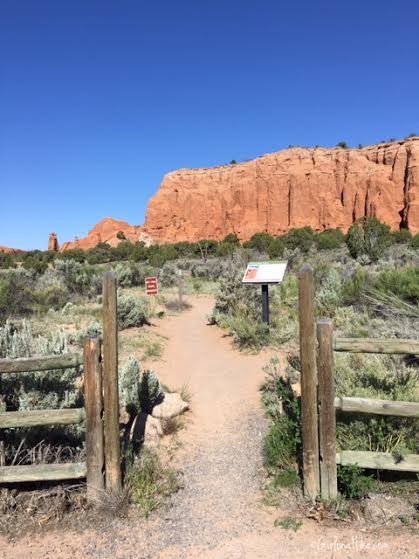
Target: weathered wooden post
180,288
94,423
327,413
309,418
110,384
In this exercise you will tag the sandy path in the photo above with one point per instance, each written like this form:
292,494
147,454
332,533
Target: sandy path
219,513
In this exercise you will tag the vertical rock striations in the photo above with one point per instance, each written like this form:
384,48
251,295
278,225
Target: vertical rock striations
322,188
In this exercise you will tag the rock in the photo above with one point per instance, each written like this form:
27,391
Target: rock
53,245
321,188
383,508
146,428
106,231
296,389
171,406
7,250
317,187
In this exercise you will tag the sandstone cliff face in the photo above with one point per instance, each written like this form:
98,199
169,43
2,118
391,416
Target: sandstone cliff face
320,187
8,250
106,232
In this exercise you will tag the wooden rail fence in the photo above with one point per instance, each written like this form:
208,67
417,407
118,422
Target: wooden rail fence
319,402
100,413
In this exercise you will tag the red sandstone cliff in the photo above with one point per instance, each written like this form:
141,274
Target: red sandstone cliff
8,250
320,187
106,231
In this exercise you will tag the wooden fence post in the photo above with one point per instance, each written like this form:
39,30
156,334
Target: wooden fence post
110,384
309,418
327,413
180,288
94,423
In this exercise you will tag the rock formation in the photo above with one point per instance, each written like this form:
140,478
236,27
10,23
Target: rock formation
319,187
8,250
111,231
53,245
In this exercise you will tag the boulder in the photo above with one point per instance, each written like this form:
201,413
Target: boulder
171,406
146,429
296,389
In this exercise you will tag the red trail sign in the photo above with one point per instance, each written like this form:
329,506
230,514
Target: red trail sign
151,286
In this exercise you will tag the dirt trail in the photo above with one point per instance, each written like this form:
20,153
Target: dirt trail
219,514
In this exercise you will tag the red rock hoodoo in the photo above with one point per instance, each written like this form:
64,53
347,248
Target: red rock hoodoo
53,245
321,188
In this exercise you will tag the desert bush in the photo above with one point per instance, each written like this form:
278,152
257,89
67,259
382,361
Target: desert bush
40,390
80,279
259,242
276,248
328,292
132,311
139,391
231,239
282,443
369,237
302,238
402,236
16,294
403,282
150,482
329,239
168,275
414,243
131,274
246,332
6,261
377,377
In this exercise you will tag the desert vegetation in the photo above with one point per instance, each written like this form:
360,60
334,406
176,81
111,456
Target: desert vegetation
367,282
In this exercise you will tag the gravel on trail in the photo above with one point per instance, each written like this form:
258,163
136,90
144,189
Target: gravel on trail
219,513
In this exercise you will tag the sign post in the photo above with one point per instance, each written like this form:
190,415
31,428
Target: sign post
264,274
265,303
152,289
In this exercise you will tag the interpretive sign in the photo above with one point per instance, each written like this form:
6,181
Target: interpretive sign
265,272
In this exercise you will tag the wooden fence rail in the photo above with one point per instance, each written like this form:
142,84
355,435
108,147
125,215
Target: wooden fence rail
100,412
322,402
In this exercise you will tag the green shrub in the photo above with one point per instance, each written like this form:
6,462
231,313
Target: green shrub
342,145
121,236
246,332
225,249
35,263
151,392
353,288
259,242
131,274
16,294
276,248
282,444
368,236
132,311
232,239
6,261
139,391
403,282
414,243
302,238
80,279
150,482
353,483
329,239
402,236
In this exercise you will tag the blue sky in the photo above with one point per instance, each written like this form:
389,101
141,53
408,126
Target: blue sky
99,99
